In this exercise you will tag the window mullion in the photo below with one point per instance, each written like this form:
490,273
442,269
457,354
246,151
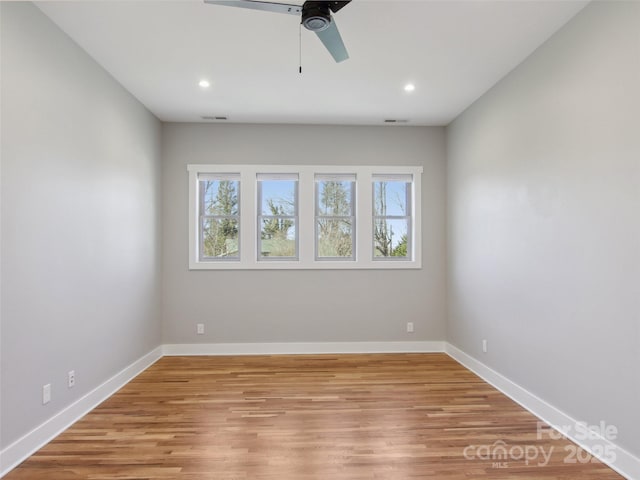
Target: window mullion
364,218
306,217
248,247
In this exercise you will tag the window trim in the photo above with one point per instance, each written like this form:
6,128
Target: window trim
306,235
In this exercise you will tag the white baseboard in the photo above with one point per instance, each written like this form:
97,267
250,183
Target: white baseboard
25,446
625,463
301,348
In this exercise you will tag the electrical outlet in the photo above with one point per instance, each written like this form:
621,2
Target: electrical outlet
71,378
200,328
409,327
46,393
484,346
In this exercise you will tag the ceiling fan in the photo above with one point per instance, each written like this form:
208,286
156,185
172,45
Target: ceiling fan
316,16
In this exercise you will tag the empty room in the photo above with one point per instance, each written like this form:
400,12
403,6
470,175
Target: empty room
282,240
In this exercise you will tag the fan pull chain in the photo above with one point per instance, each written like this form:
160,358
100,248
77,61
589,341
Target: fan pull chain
300,47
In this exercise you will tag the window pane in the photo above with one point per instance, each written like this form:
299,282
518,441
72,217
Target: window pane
335,237
220,197
278,237
390,198
278,197
220,238
390,238
334,198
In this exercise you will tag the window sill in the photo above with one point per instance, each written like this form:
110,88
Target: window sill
314,265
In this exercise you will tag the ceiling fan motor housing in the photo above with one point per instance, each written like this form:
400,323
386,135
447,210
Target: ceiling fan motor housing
316,16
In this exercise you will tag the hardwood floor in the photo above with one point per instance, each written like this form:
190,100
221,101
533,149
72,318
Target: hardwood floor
391,416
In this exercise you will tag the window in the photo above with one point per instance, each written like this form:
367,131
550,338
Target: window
335,217
219,217
304,217
278,216
392,217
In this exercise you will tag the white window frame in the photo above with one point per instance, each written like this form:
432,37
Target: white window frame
408,214
266,177
353,179
248,240
217,177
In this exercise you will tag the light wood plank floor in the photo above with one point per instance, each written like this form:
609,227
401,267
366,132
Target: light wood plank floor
394,416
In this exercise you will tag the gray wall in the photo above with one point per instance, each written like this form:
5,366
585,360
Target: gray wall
80,222
544,221
312,305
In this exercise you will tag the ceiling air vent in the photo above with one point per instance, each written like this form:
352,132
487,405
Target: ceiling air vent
394,120
209,117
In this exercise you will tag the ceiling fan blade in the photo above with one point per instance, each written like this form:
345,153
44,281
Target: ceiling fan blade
335,6
256,5
332,40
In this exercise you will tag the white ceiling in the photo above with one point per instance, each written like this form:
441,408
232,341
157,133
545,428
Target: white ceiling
453,51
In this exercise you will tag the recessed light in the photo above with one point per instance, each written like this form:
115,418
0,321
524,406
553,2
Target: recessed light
204,84
409,87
